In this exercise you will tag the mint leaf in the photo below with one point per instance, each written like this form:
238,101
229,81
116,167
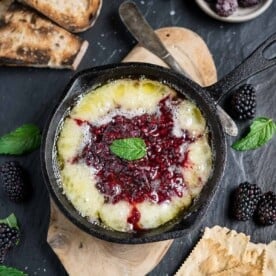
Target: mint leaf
11,221
261,131
10,271
22,140
129,148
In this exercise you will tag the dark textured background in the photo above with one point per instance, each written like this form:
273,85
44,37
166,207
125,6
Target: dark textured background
27,95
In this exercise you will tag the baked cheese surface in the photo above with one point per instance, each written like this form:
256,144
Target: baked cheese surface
90,183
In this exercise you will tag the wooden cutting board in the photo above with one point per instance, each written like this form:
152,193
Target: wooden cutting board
82,254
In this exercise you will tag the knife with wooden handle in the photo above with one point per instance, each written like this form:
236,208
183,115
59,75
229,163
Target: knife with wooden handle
145,35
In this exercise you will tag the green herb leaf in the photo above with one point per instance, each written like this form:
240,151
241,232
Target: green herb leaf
22,140
10,271
11,221
261,131
129,148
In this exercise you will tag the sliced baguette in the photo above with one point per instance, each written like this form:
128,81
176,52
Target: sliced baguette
28,39
75,16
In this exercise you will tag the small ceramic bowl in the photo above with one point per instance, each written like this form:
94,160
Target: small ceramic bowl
241,15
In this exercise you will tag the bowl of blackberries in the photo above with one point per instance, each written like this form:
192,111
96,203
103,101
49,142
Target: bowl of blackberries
234,11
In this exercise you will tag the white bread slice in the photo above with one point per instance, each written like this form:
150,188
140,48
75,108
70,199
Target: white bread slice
28,39
73,15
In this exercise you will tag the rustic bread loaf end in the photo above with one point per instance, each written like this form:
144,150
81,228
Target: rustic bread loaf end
29,39
75,16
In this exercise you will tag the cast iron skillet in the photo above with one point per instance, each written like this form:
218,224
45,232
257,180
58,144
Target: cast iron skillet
206,99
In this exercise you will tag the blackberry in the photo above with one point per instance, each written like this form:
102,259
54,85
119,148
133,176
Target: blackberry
8,239
13,181
243,102
266,210
246,198
248,3
226,7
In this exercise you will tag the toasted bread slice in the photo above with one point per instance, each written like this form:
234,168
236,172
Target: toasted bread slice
28,39
75,16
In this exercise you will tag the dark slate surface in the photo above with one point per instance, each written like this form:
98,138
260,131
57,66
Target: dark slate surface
28,95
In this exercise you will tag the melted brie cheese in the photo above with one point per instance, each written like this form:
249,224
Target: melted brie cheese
132,98
199,165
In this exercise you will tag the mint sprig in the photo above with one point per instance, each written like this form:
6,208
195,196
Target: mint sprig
261,131
129,148
22,140
10,271
11,221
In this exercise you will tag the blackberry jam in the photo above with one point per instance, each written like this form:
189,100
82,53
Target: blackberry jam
156,177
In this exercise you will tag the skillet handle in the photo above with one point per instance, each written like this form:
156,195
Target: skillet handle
252,65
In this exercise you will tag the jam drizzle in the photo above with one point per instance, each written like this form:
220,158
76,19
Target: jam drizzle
157,177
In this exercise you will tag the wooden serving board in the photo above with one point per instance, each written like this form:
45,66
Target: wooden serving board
82,254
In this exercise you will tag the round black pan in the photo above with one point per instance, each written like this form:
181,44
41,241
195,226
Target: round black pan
205,98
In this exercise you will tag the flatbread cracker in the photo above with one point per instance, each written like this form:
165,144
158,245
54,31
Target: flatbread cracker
270,260
246,269
252,265
241,270
254,253
236,243
207,258
224,252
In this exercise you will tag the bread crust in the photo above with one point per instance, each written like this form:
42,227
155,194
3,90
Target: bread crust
28,39
75,16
